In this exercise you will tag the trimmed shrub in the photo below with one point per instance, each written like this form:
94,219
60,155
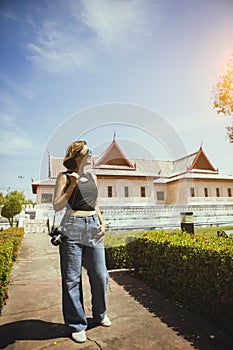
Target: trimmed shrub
196,271
10,241
117,257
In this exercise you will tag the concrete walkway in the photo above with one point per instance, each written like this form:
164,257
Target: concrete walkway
141,317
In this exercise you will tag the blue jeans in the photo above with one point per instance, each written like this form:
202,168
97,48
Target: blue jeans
79,245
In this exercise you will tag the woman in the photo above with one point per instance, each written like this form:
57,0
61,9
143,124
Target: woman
82,241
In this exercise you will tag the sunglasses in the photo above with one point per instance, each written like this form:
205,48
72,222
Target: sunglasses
88,154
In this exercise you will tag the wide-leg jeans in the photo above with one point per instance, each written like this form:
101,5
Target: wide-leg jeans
80,246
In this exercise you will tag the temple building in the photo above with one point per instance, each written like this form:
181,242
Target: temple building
148,188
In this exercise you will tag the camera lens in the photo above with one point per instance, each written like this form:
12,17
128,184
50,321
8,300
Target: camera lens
56,240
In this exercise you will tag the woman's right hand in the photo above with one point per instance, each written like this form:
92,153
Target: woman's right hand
63,192
73,178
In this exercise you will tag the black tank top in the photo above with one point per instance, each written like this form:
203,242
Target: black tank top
84,194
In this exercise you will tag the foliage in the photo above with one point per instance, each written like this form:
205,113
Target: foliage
1,199
211,231
20,196
117,257
11,207
30,201
116,250
10,241
195,270
223,95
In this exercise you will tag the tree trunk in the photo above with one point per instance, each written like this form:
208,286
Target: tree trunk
10,221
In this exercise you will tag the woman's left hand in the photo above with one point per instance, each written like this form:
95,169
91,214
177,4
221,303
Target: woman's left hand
101,233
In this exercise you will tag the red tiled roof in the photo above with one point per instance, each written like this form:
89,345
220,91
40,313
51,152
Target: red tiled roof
114,162
141,167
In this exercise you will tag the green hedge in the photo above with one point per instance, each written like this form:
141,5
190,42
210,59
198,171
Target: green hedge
10,241
117,255
195,270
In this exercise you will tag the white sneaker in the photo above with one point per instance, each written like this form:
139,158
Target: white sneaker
106,322
79,337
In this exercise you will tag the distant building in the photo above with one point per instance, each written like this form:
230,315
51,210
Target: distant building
139,183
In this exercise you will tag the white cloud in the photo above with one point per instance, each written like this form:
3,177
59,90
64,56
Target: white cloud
88,30
117,23
13,139
59,48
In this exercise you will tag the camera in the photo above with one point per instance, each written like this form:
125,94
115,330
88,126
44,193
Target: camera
56,236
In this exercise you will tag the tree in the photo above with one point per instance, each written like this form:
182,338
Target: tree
30,201
2,199
223,95
16,194
12,207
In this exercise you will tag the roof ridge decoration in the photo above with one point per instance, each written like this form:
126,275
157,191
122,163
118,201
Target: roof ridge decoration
49,163
114,155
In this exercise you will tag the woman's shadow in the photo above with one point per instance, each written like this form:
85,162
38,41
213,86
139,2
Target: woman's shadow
33,330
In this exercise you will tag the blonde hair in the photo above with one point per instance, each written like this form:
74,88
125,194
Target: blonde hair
73,151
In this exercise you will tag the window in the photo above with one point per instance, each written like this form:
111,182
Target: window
206,191
126,191
217,192
46,198
192,192
160,196
229,192
143,191
109,191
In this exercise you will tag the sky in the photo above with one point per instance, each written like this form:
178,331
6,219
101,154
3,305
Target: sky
142,69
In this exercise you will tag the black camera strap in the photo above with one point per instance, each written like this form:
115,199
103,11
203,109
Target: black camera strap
54,216
53,225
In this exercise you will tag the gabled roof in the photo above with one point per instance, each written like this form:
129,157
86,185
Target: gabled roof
202,162
142,167
194,162
183,164
113,156
47,182
114,162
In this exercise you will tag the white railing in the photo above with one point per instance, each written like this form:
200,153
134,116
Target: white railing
35,226
140,217
166,216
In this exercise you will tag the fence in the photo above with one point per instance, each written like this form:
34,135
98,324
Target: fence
146,217
167,216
